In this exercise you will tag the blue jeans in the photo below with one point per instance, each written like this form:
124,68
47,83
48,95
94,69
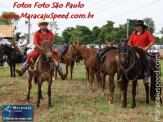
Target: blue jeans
148,66
60,66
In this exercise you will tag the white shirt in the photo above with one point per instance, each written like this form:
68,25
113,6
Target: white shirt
22,43
4,41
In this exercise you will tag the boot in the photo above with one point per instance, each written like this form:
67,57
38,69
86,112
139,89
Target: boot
63,76
146,81
21,72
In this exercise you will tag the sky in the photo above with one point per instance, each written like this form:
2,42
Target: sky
117,11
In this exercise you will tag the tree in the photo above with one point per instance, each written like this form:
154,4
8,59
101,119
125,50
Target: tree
53,25
161,31
66,34
8,21
150,24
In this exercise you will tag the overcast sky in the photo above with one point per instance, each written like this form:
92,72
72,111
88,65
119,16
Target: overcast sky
115,10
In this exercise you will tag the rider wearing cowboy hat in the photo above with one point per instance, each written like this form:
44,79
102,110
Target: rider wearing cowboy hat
45,34
22,43
144,39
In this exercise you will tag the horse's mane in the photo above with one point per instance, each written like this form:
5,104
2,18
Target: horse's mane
142,55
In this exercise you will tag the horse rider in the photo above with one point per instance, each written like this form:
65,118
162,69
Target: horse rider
22,43
3,41
144,39
45,34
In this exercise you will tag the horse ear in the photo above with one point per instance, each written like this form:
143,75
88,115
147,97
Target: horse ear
106,42
112,42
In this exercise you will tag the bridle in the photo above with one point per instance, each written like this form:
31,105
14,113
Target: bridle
132,63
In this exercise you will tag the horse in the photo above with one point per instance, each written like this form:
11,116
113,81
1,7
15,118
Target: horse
13,57
43,69
89,56
66,60
110,66
132,62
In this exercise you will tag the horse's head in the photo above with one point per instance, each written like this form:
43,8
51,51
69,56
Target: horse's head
109,44
47,49
123,52
73,50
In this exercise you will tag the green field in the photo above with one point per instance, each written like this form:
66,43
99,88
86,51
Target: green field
75,101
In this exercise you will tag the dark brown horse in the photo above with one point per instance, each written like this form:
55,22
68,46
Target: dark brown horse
110,66
89,56
133,64
43,70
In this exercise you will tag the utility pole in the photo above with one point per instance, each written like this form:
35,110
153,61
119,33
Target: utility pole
127,28
29,23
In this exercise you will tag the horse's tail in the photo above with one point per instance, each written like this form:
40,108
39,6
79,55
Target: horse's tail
35,80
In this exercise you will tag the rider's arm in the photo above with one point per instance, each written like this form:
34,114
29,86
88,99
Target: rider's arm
23,44
151,40
36,44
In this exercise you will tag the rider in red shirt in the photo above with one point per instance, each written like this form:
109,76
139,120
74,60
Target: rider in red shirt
142,38
41,34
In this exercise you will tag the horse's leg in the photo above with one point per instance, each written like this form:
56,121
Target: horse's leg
134,83
11,70
87,75
120,87
29,84
111,88
14,68
103,83
39,91
56,74
72,66
98,77
49,91
124,85
91,73
147,93
67,64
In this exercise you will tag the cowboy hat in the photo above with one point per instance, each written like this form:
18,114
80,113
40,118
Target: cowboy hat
22,35
140,22
42,21
1,35
30,46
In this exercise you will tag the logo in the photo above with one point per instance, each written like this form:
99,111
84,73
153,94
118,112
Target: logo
17,112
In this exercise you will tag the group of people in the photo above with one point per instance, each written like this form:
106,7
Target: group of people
141,38
21,44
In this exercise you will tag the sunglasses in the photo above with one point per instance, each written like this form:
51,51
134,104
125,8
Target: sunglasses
44,24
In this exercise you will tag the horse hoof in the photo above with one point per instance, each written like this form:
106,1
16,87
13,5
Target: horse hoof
147,102
51,105
123,106
133,106
38,105
109,102
102,94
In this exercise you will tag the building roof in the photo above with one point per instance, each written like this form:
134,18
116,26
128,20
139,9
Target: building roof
7,31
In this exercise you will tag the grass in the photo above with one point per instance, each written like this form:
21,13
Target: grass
74,101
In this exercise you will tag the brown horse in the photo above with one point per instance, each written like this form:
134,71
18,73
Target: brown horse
43,70
68,61
110,66
89,56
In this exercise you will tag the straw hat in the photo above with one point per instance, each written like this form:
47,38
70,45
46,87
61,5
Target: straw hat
30,46
42,21
1,35
22,35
